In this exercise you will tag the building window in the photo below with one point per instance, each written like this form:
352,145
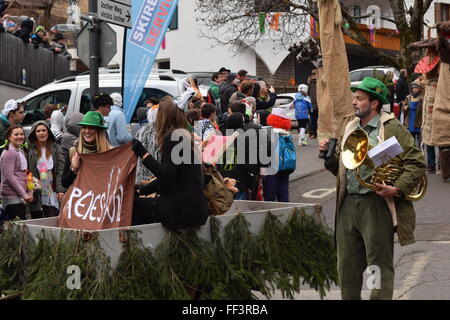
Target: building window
164,64
445,12
270,6
441,12
174,22
357,14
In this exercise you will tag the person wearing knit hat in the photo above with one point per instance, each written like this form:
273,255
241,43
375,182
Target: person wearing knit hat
117,124
276,186
303,108
413,111
12,114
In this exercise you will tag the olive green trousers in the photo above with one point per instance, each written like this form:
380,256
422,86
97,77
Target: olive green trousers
365,237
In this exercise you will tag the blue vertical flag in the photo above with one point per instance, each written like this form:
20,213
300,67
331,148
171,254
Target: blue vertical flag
151,18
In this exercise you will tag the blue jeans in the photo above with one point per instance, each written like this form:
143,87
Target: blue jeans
240,196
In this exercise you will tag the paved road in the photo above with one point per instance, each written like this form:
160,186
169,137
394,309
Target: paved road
423,268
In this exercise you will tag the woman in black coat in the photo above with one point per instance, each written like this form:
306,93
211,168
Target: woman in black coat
180,202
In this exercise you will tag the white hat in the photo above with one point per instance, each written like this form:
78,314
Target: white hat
280,112
10,105
117,99
303,88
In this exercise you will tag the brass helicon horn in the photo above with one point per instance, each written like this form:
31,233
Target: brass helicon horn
354,154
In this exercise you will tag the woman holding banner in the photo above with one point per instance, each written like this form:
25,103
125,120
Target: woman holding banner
92,140
180,202
45,162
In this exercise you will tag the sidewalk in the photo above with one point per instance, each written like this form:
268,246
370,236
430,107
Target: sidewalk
308,161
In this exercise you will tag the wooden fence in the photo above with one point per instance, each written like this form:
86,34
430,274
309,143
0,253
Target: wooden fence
24,65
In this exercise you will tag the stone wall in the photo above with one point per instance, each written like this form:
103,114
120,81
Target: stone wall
284,73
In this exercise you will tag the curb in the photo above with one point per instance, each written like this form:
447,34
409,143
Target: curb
307,174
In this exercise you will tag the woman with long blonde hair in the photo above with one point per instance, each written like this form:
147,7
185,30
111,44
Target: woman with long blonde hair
92,140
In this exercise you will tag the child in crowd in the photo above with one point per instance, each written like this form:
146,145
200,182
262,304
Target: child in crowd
303,107
276,186
413,112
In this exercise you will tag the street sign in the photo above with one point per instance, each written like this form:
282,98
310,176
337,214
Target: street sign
115,12
107,44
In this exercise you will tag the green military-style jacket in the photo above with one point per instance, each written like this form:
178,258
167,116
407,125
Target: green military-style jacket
414,165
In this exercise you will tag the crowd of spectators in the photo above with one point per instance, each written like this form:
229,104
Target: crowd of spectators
30,34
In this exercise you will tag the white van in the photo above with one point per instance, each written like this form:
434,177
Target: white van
74,92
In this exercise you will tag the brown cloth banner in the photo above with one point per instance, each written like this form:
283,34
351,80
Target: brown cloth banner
334,95
101,197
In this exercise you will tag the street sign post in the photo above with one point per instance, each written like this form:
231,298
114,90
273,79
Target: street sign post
107,44
115,11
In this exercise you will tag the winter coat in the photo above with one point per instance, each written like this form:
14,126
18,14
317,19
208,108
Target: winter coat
413,163
302,106
402,89
24,33
180,202
227,92
262,104
58,164
215,91
63,52
416,112
13,180
312,90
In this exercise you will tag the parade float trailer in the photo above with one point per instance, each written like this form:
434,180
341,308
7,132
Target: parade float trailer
255,246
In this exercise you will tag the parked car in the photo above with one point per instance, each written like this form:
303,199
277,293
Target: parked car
357,76
65,28
74,92
284,100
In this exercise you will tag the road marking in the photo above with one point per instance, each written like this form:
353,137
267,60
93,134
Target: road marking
319,193
412,279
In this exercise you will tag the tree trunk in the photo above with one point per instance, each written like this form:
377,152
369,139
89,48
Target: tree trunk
47,16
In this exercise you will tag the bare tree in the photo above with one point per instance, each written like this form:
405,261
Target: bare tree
238,22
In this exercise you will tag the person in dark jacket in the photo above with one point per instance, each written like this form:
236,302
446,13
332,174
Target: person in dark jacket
3,7
243,169
265,98
314,115
59,46
26,28
46,163
39,38
402,88
230,87
180,202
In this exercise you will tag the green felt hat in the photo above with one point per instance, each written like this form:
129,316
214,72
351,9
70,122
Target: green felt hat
375,88
93,118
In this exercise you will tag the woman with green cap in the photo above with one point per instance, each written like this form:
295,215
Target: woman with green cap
92,140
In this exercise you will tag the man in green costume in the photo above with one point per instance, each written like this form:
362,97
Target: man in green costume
364,228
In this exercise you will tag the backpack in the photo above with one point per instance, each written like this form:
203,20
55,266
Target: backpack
287,155
219,198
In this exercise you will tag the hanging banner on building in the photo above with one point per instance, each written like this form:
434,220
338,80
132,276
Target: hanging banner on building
151,18
101,197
